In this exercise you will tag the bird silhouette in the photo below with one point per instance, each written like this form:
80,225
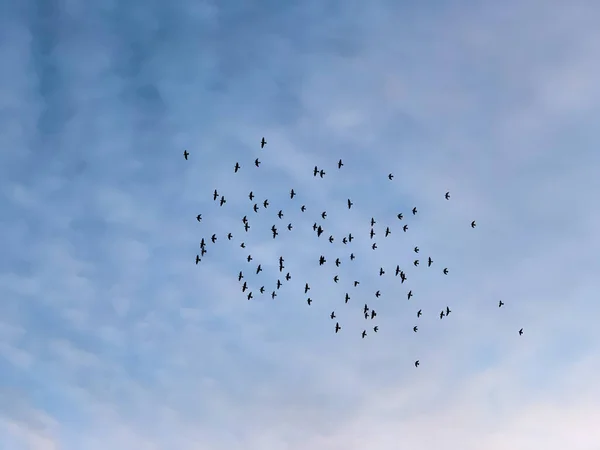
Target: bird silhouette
337,327
473,224
500,304
199,217
185,154
340,164
263,143
447,195
390,176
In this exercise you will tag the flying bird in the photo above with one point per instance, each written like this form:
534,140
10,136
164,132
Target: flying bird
445,271
273,295
303,208
319,231
322,260
447,196
306,288
409,294
289,227
240,276
255,207
373,222
372,233
350,204
373,314
350,237
448,311
258,269
244,287
266,203
346,298
416,262
356,283
288,277
336,279
322,173
197,259
315,171
390,176
442,314
324,214
332,315
223,201
364,333
246,227
419,313
331,239
292,193
375,328
417,363
278,284
366,308
249,295
262,289
199,217
340,164
337,262
229,236
400,216
473,224
415,328
309,301
185,154
215,195
251,196
429,262
404,228
352,256
500,304
414,210
280,214
377,294
237,167
374,246
416,249
521,332
387,231
213,238
263,143
249,258
337,327
398,270
381,271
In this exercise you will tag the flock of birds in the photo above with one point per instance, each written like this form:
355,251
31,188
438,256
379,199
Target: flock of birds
368,312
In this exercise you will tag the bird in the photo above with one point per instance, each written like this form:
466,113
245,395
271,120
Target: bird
292,193
373,222
237,167
364,333
373,314
473,224
521,332
280,214
309,301
255,207
215,195
398,270
251,196
410,294
278,284
331,239
258,269
372,233
356,283
375,328
240,276
303,208
352,256
500,304
374,246
416,262
340,164
429,262
324,214
337,262
336,279
185,154
404,228
350,237
202,251
199,217
319,231
223,201
262,289
230,236
387,231
249,295
289,227
273,295
415,328
322,260
315,226
442,314
445,271
202,243
244,287
306,288
263,143
403,277
350,204
249,258
346,298
390,176
332,315
197,259
213,238
419,313
400,216
414,210
447,195
288,277
417,363
315,171
381,271
377,294
416,249
246,227
266,203
322,173
244,219
366,308
337,327
448,311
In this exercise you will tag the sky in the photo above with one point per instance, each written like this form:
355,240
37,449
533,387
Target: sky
112,337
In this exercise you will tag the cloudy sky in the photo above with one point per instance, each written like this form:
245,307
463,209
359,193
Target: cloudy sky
111,337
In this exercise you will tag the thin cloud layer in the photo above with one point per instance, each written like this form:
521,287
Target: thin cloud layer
111,336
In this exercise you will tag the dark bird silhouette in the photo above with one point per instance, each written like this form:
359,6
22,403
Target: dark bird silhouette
500,304
249,295
346,298
429,262
256,162
199,217
288,277
417,363
419,313
364,333
266,203
315,226
350,204
521,332
244,287
202,243
404,228
442,314
315,171
249,258
445,271
398,270
278,284
340,164
448,311
197,259
377,294
447,195
416,262
414,211
335,279
185,154
374,246
372,233
356,283
237,167
352,256
215,195
403,277
373,314
240,276
375,328
202,251
309,301
213,238
246,227
415,328
366,308
303,208
409,294
322,260
337,327
262,289
390,176
473,224
387,231
381,271
322,173
332,315
244,219
306,288
223,201
289,227
251,196
281,260
280,214
366,316
319,231
255,207
337,262
350,237
373,222
263,143
292,193
230,236
400,216
416,249
275,233
324,214
331,239
258,269
344,240
273,295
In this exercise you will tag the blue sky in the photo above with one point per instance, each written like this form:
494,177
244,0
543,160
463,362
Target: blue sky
111,336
